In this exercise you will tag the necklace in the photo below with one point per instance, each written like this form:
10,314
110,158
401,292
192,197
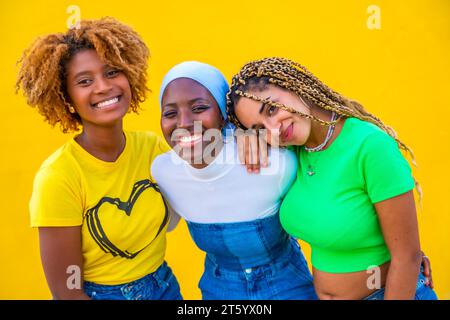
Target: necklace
334,116
320,147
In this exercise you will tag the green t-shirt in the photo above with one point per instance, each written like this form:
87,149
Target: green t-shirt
330,205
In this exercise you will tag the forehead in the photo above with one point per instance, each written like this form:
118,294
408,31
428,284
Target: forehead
84,60
247,111
185,89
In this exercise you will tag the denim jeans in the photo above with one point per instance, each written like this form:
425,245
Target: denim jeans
159,285
422,291
254,260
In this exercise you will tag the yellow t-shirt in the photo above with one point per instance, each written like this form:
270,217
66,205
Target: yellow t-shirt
121,211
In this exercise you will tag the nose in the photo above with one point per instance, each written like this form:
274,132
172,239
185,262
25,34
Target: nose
273,131
184,120
271,124
102,85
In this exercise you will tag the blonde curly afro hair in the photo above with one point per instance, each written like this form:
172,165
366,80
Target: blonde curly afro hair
42,75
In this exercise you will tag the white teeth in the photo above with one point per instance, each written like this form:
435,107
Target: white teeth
107,102
187,139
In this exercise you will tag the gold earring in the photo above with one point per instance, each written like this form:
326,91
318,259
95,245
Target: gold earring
71,109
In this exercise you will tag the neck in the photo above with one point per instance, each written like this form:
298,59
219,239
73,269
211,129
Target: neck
319,132
104,143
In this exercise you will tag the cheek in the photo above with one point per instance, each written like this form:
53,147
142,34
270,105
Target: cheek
79,96
210,119
167,127
122,82
303,129
243,117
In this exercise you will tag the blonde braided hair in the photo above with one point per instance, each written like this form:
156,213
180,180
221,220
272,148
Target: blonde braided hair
296,78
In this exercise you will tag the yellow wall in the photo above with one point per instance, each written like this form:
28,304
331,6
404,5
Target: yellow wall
400,72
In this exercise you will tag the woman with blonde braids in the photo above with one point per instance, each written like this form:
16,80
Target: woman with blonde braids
101,218
353,198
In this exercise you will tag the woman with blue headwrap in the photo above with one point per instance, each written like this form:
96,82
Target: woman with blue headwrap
231,215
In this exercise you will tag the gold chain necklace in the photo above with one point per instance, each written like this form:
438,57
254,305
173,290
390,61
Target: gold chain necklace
310,170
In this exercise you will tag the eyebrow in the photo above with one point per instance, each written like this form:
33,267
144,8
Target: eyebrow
84,72
174,104
79,74
263,105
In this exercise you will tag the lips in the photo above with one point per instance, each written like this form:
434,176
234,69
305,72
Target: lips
189,140
106,103
287,134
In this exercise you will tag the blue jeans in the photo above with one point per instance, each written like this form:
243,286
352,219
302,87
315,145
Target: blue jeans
159,285
254,260
422,291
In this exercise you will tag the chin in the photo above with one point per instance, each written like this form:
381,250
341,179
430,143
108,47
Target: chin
189,157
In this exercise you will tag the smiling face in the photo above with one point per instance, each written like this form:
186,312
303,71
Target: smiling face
100,94
184,102
292,128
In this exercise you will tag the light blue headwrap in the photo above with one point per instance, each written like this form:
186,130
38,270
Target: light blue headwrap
208,76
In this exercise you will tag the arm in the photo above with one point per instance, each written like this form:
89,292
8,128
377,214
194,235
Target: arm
398,221
174,219
60,248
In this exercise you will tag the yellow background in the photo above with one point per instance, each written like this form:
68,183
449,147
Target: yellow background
400,72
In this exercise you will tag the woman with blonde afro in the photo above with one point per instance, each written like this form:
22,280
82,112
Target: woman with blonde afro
101,218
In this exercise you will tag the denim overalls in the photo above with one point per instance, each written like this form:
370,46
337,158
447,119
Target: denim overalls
254,260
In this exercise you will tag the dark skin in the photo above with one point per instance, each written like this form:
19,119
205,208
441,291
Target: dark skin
60,248
101,96
184,102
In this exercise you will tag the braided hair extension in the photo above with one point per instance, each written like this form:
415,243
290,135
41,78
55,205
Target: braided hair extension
296,78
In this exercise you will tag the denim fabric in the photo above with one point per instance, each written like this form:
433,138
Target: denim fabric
254,260
422,291
159,285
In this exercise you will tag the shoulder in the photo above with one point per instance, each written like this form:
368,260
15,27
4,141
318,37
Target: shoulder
60,161
367,135
60,167
380,154
285,158
377,140
282,166
147,137
163,165
362,128
147,140
162,159
289,155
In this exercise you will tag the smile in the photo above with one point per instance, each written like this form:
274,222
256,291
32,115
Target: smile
106,103
189,141
287,134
